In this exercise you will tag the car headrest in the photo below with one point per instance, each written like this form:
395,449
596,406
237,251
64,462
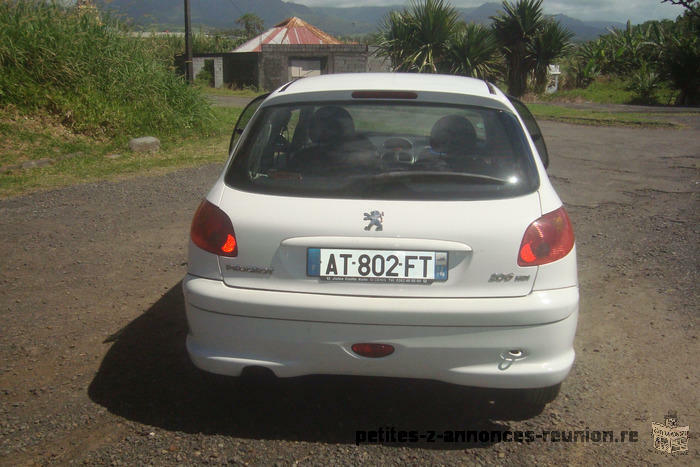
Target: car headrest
453,134
331,124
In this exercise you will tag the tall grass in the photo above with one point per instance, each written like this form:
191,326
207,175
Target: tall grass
166,47
87,70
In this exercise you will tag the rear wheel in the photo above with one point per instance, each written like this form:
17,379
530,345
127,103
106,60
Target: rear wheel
527,403
541,396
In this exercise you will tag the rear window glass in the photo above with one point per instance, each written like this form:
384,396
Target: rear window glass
384,151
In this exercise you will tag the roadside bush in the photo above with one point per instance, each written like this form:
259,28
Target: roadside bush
643,83
204,78
91,73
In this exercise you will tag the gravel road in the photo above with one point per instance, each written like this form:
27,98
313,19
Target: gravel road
93,367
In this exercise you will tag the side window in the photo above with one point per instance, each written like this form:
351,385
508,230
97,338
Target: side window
533,128
244,118
269,151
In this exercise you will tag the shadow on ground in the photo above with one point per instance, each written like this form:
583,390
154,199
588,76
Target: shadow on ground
147,377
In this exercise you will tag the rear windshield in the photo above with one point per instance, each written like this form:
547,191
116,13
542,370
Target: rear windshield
384,151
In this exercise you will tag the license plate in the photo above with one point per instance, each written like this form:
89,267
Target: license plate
417,267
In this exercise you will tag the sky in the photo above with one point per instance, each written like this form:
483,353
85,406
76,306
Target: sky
604,10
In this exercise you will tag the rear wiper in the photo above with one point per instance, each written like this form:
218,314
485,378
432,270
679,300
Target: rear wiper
389,176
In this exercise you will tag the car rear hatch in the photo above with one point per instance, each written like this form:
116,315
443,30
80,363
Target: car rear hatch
420,196
281,239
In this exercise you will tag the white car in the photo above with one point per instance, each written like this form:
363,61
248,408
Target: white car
397,225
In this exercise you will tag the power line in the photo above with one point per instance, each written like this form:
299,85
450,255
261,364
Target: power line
236,7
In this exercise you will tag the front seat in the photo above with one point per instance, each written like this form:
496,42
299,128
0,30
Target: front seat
334,142
453,138
331,125
453,135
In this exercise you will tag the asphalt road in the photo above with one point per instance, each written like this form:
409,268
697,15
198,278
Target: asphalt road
93,367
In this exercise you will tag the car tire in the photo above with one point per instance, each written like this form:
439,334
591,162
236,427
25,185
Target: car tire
541,396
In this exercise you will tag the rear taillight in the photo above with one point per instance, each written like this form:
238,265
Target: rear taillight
212,231
548,239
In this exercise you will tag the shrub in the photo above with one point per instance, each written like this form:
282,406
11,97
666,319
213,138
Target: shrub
89,71
643,83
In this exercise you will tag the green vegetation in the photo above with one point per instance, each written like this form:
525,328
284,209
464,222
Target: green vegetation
165,47
80,158
609,90
657,61
418,38
649,58
529,43
75,87
475,53
251,25
598,117
428,36
245,92
88,72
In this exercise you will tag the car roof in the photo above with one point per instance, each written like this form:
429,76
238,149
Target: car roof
421,83
393,81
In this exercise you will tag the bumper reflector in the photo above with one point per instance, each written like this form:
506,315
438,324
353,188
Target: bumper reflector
373,350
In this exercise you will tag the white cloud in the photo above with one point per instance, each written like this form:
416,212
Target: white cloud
604,10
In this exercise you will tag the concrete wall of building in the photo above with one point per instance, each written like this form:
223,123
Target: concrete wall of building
275,59
198,64
376,64
270,68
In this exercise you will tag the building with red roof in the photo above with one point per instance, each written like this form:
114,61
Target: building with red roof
293,31
289,50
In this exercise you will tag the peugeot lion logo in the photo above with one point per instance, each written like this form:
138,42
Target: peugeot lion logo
375,218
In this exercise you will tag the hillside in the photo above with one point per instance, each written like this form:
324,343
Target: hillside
205,13
337,21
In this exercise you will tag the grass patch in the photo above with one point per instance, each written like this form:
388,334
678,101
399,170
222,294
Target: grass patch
248,92
85,69
80,159
598,117
608,91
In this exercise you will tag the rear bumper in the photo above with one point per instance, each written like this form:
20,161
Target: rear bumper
539,307
298,334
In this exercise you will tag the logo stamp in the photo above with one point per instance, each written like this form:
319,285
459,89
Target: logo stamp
669,437
375,219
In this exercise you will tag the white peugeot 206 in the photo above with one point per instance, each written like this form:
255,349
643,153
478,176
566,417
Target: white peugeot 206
397,225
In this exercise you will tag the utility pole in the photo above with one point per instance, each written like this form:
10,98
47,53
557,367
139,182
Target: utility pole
188,44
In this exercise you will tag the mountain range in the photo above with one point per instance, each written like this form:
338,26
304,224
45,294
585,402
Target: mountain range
351,21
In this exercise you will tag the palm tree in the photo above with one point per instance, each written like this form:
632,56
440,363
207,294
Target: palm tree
551,43
515,28
395,38
418,38
475,52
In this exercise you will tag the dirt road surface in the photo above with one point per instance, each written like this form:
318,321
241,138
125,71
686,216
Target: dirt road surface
93,367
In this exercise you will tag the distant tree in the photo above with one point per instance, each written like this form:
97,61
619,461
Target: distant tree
418,38
252,25
369,38
475,52
515,28
551,43
680,58
690,5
